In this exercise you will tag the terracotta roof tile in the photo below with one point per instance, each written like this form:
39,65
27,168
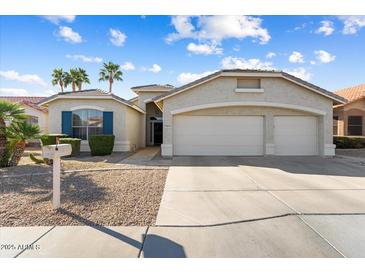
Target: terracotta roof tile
30,101
352,93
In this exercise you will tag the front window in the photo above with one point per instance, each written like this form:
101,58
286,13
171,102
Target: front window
32,120
354,125
86,122
335,125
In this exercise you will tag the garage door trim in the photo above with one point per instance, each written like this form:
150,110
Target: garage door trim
248,103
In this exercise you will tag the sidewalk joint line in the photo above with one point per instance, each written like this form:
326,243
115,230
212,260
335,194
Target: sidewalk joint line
307,224
297,213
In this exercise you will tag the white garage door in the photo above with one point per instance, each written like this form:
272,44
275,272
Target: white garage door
218,135
296,135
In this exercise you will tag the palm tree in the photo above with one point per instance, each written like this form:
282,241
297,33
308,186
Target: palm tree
9,112
19,133
72,78
58,78
83,78
110,72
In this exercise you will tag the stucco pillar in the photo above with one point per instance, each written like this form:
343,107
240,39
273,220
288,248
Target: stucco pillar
143,130
269,145
166,147
326,147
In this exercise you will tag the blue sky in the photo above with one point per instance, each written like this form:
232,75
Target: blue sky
325,50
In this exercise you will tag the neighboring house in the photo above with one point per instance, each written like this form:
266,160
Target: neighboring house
36,115
230,112
349,118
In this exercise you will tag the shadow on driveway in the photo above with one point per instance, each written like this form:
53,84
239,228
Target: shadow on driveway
157,247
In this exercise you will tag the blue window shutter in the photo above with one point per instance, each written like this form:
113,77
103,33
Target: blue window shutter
67,123
107,122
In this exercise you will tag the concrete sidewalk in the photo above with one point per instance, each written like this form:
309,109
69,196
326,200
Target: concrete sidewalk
280,237
142,156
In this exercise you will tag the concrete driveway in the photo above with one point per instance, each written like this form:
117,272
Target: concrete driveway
262,207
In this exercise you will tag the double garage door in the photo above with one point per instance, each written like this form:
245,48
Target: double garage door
243,135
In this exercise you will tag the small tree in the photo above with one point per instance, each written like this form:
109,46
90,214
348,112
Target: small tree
110,72
9,112
19,133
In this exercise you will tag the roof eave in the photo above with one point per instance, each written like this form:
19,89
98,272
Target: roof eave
232,73
107,96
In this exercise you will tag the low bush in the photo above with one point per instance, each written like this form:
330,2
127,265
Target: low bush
75,144
101,144
50,139
349,141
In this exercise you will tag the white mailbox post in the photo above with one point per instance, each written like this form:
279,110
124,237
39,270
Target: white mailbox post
55,152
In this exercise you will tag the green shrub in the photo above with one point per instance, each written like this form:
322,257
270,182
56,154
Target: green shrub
50,139
101,144
75,144
349,141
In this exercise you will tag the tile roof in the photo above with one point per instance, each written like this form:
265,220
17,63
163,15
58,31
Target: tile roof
352,93
278,72
31,101
153,87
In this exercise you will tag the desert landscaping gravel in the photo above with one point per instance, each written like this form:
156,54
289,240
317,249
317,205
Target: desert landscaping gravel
114,197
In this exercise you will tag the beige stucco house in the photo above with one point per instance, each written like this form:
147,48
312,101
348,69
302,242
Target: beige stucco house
36,115
230,112
82,113
349,118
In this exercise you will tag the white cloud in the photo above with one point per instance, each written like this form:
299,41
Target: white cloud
301,73
326,28
23,92
270,55
352,24
69,35
312,62
24,78
217,28
57,19
117,37
324,56
187,77
128,66
155,68
296,57
184,29
241,63
204,49
84,58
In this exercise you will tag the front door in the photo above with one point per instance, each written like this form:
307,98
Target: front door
157,133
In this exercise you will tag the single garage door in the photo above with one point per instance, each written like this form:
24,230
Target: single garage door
218,135
296,135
